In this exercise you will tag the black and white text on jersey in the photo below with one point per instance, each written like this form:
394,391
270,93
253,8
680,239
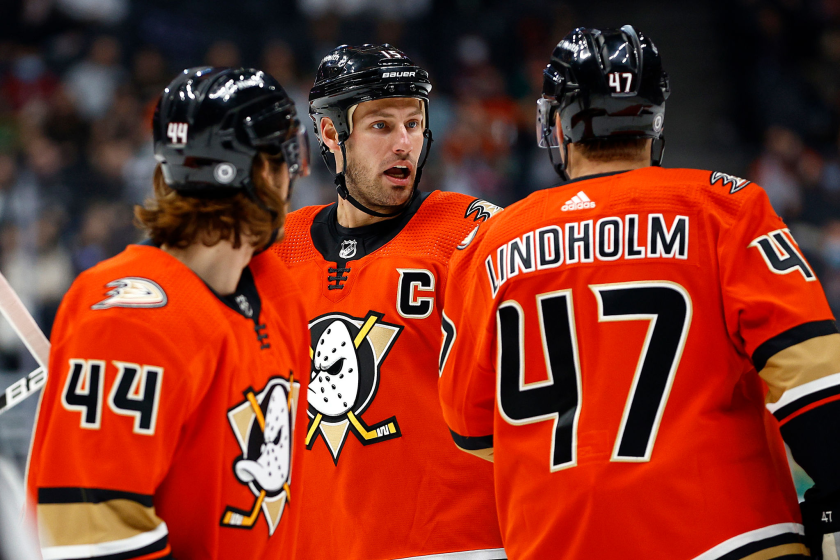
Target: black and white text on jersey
609,239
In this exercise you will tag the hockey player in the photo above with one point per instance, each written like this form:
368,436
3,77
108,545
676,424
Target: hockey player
167,425
382,478
629,346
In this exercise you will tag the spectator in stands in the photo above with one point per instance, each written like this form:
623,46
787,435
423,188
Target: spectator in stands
94,81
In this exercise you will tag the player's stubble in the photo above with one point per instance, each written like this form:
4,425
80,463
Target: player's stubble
367,186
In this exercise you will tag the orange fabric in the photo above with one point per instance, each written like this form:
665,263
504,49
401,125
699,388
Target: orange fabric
210,357
161,554
713,473
393,497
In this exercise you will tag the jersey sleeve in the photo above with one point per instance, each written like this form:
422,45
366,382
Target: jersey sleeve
118,395
467,382
777,313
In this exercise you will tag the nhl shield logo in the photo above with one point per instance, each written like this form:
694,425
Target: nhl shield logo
347,353
348,249
263,425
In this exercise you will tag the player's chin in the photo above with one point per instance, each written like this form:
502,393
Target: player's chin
398,191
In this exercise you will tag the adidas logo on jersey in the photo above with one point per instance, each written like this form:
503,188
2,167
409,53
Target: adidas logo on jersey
578,202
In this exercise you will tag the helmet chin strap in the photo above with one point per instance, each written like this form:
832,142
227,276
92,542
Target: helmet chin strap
657,150
343,192
559,167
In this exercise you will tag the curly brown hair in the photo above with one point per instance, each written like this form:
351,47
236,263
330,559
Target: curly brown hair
174,220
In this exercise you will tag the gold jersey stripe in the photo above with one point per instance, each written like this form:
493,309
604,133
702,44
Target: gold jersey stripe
779,551
486,454
87,523
801,363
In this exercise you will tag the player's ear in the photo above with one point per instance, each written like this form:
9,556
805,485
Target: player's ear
329,135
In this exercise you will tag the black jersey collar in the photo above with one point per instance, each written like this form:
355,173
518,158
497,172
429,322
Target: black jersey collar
340,244
245,300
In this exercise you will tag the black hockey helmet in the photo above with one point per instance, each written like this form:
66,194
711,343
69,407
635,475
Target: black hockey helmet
605,84
209,124
350,75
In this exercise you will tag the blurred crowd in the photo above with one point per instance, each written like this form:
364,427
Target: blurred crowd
783,62
79,80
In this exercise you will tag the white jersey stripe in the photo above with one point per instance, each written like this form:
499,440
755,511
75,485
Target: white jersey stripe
746,538
106,548
487,554
803,390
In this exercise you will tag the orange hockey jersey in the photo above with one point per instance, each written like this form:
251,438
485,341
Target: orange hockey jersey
604,339
382,478
166,425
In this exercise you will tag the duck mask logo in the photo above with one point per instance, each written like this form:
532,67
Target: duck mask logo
263,425
346,356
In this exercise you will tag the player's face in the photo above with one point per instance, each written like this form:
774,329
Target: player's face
383,151
280,181
275,178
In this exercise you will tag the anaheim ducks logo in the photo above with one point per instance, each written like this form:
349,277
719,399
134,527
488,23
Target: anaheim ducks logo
132,292
468,239
736,183
263,425
347,353
482,209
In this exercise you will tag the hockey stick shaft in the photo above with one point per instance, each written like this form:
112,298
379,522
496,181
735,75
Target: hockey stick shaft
23,388
23,324
27,329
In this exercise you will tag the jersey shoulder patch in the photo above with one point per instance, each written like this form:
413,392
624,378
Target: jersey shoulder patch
468,239
735,183
481,210
132,292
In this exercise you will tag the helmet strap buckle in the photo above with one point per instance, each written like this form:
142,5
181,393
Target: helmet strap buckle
657,150
560,166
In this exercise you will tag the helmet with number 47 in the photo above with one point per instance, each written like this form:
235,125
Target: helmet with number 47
603,84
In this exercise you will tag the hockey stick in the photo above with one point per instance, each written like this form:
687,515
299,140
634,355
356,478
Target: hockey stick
27,329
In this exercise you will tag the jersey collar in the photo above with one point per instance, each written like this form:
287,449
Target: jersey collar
341,245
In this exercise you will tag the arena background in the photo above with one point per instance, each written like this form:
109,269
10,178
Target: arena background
755,93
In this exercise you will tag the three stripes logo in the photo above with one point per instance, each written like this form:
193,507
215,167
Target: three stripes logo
578,202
